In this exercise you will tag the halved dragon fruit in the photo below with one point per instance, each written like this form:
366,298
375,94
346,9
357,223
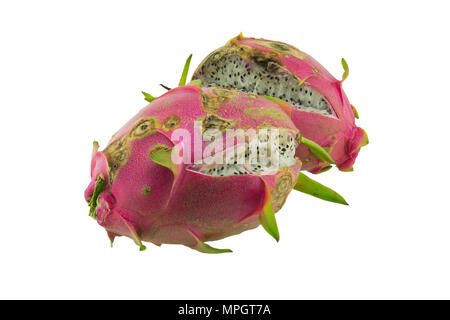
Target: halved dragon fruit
305,90
154,182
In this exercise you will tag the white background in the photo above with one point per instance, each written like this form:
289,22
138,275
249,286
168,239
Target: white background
72,72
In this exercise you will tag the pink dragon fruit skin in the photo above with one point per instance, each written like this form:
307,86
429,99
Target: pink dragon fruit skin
138,192
284,72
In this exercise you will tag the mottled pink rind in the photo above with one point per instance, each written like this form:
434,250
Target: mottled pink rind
147,201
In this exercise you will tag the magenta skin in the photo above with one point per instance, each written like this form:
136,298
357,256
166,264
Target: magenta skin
337,133
147,201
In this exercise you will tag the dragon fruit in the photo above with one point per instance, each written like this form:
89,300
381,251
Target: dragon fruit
140,189
305,90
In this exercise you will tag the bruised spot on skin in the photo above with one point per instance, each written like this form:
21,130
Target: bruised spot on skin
271,65
281,191
117,154
282,48
146,190
212,121
269,60
212,104
279,46
215,56
262,112
209,104
143,127
116,160
223,92
171,123
117,145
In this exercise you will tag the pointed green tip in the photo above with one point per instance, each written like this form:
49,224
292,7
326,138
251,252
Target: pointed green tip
309,186
366,139
317,150
206,248
346,70
325,169
148,97
185,71
267,220
355,112
211,250
142,247
95,147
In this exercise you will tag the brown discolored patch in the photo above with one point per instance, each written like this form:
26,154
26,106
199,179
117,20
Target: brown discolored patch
217,55
143,127
117,154
171,123
279,46
212,121
268,60
116,160
209,104
282,48
223,92
281,191
119,144
270,64
212,104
